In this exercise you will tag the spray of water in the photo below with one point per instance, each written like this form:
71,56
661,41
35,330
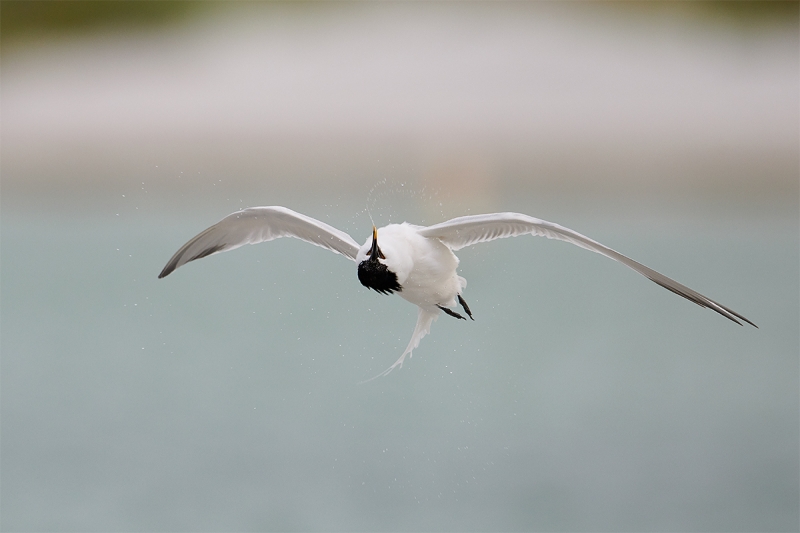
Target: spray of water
386,189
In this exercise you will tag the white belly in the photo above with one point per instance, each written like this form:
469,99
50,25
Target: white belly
433,280
425,268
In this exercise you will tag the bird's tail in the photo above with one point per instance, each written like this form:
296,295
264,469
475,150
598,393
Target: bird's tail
425,318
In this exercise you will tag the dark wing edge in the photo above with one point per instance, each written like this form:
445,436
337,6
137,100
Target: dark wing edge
260,224
465,231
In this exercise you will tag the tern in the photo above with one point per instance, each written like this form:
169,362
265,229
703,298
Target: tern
416,262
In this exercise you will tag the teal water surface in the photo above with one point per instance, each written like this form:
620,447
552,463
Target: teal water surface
227,396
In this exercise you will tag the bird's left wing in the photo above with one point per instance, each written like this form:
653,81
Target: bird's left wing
465,231
259,224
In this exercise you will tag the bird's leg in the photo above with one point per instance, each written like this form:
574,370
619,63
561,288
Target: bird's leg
465,306
451,313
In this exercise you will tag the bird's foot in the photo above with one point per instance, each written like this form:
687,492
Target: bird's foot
451,313
465,306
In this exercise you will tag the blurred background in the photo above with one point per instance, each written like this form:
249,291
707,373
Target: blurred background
226,397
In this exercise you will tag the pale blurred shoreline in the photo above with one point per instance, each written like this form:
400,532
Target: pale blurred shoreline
476,100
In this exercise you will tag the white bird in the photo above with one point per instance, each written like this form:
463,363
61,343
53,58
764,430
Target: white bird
416,262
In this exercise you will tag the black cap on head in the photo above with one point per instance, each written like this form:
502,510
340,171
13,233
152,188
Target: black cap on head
375,275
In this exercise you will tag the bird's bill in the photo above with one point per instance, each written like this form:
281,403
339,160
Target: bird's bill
375,252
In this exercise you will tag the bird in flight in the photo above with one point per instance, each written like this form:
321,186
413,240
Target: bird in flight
416,262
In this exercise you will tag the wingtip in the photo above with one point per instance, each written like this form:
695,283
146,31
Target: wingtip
740,317
735,317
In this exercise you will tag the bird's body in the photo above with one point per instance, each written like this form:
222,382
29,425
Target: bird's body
416,262
425,268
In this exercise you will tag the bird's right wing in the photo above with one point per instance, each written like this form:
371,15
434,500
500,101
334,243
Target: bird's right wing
259,224
465,231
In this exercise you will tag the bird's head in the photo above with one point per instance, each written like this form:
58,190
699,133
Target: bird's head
372,273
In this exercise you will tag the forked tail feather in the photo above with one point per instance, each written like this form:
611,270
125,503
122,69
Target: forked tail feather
425,318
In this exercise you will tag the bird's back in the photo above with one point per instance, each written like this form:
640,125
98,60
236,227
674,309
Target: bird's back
425,268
